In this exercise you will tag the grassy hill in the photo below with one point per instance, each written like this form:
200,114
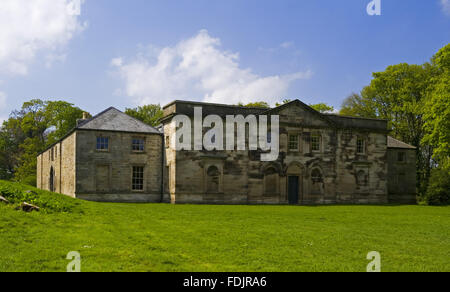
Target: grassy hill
163,237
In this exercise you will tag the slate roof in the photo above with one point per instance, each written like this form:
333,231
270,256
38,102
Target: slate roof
114,120
361,123
394,143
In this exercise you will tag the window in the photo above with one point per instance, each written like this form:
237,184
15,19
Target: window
138,178
317,186
293,142
138,145
213,180
53,154
401,157
315,142
316,176
102,143
167,141
362,178
360,146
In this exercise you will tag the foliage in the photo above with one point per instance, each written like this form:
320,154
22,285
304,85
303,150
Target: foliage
30,130
415,100
437,113
258,104
322,107
48,202
150,114
438,192
357,106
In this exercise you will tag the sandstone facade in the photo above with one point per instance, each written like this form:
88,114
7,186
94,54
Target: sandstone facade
324,159
80,167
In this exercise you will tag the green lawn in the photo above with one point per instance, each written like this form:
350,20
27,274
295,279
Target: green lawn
162,237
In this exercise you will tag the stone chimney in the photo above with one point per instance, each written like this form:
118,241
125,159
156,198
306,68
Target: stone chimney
86,117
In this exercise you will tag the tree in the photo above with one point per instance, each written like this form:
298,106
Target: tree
437,113
322,107
62,117
150,114
258,104
398,95
30,130
357,106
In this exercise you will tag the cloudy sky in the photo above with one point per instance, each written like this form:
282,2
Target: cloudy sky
127,53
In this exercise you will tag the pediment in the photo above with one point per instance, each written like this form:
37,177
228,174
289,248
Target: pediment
296,112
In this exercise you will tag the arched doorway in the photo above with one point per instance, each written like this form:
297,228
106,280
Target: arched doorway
213,180
52,180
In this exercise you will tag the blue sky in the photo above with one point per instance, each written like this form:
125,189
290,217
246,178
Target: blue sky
125,53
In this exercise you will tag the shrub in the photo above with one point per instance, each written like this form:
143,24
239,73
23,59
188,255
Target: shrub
49,202
29,180
438,192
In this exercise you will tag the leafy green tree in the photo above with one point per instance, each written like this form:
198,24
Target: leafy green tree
398,95
357,106
438,191
150,114
30,130
437,113
62,117
8,160
322,107
260,104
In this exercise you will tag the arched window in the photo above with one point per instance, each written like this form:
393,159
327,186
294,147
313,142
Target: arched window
316,176
361,178
271,181
52,180
213,179
317,185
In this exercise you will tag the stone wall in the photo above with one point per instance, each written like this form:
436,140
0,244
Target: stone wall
362,178
402,176
60,161
107,175
327,176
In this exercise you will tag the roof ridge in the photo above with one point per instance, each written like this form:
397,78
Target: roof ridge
213,104
95,116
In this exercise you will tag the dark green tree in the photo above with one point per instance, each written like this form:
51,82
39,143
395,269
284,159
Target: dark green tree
150,114
30,130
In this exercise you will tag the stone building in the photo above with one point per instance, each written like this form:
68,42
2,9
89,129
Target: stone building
110,157
324,159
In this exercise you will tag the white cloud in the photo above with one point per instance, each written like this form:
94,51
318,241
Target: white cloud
445,6
28,27
286,45
117,62
195,69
